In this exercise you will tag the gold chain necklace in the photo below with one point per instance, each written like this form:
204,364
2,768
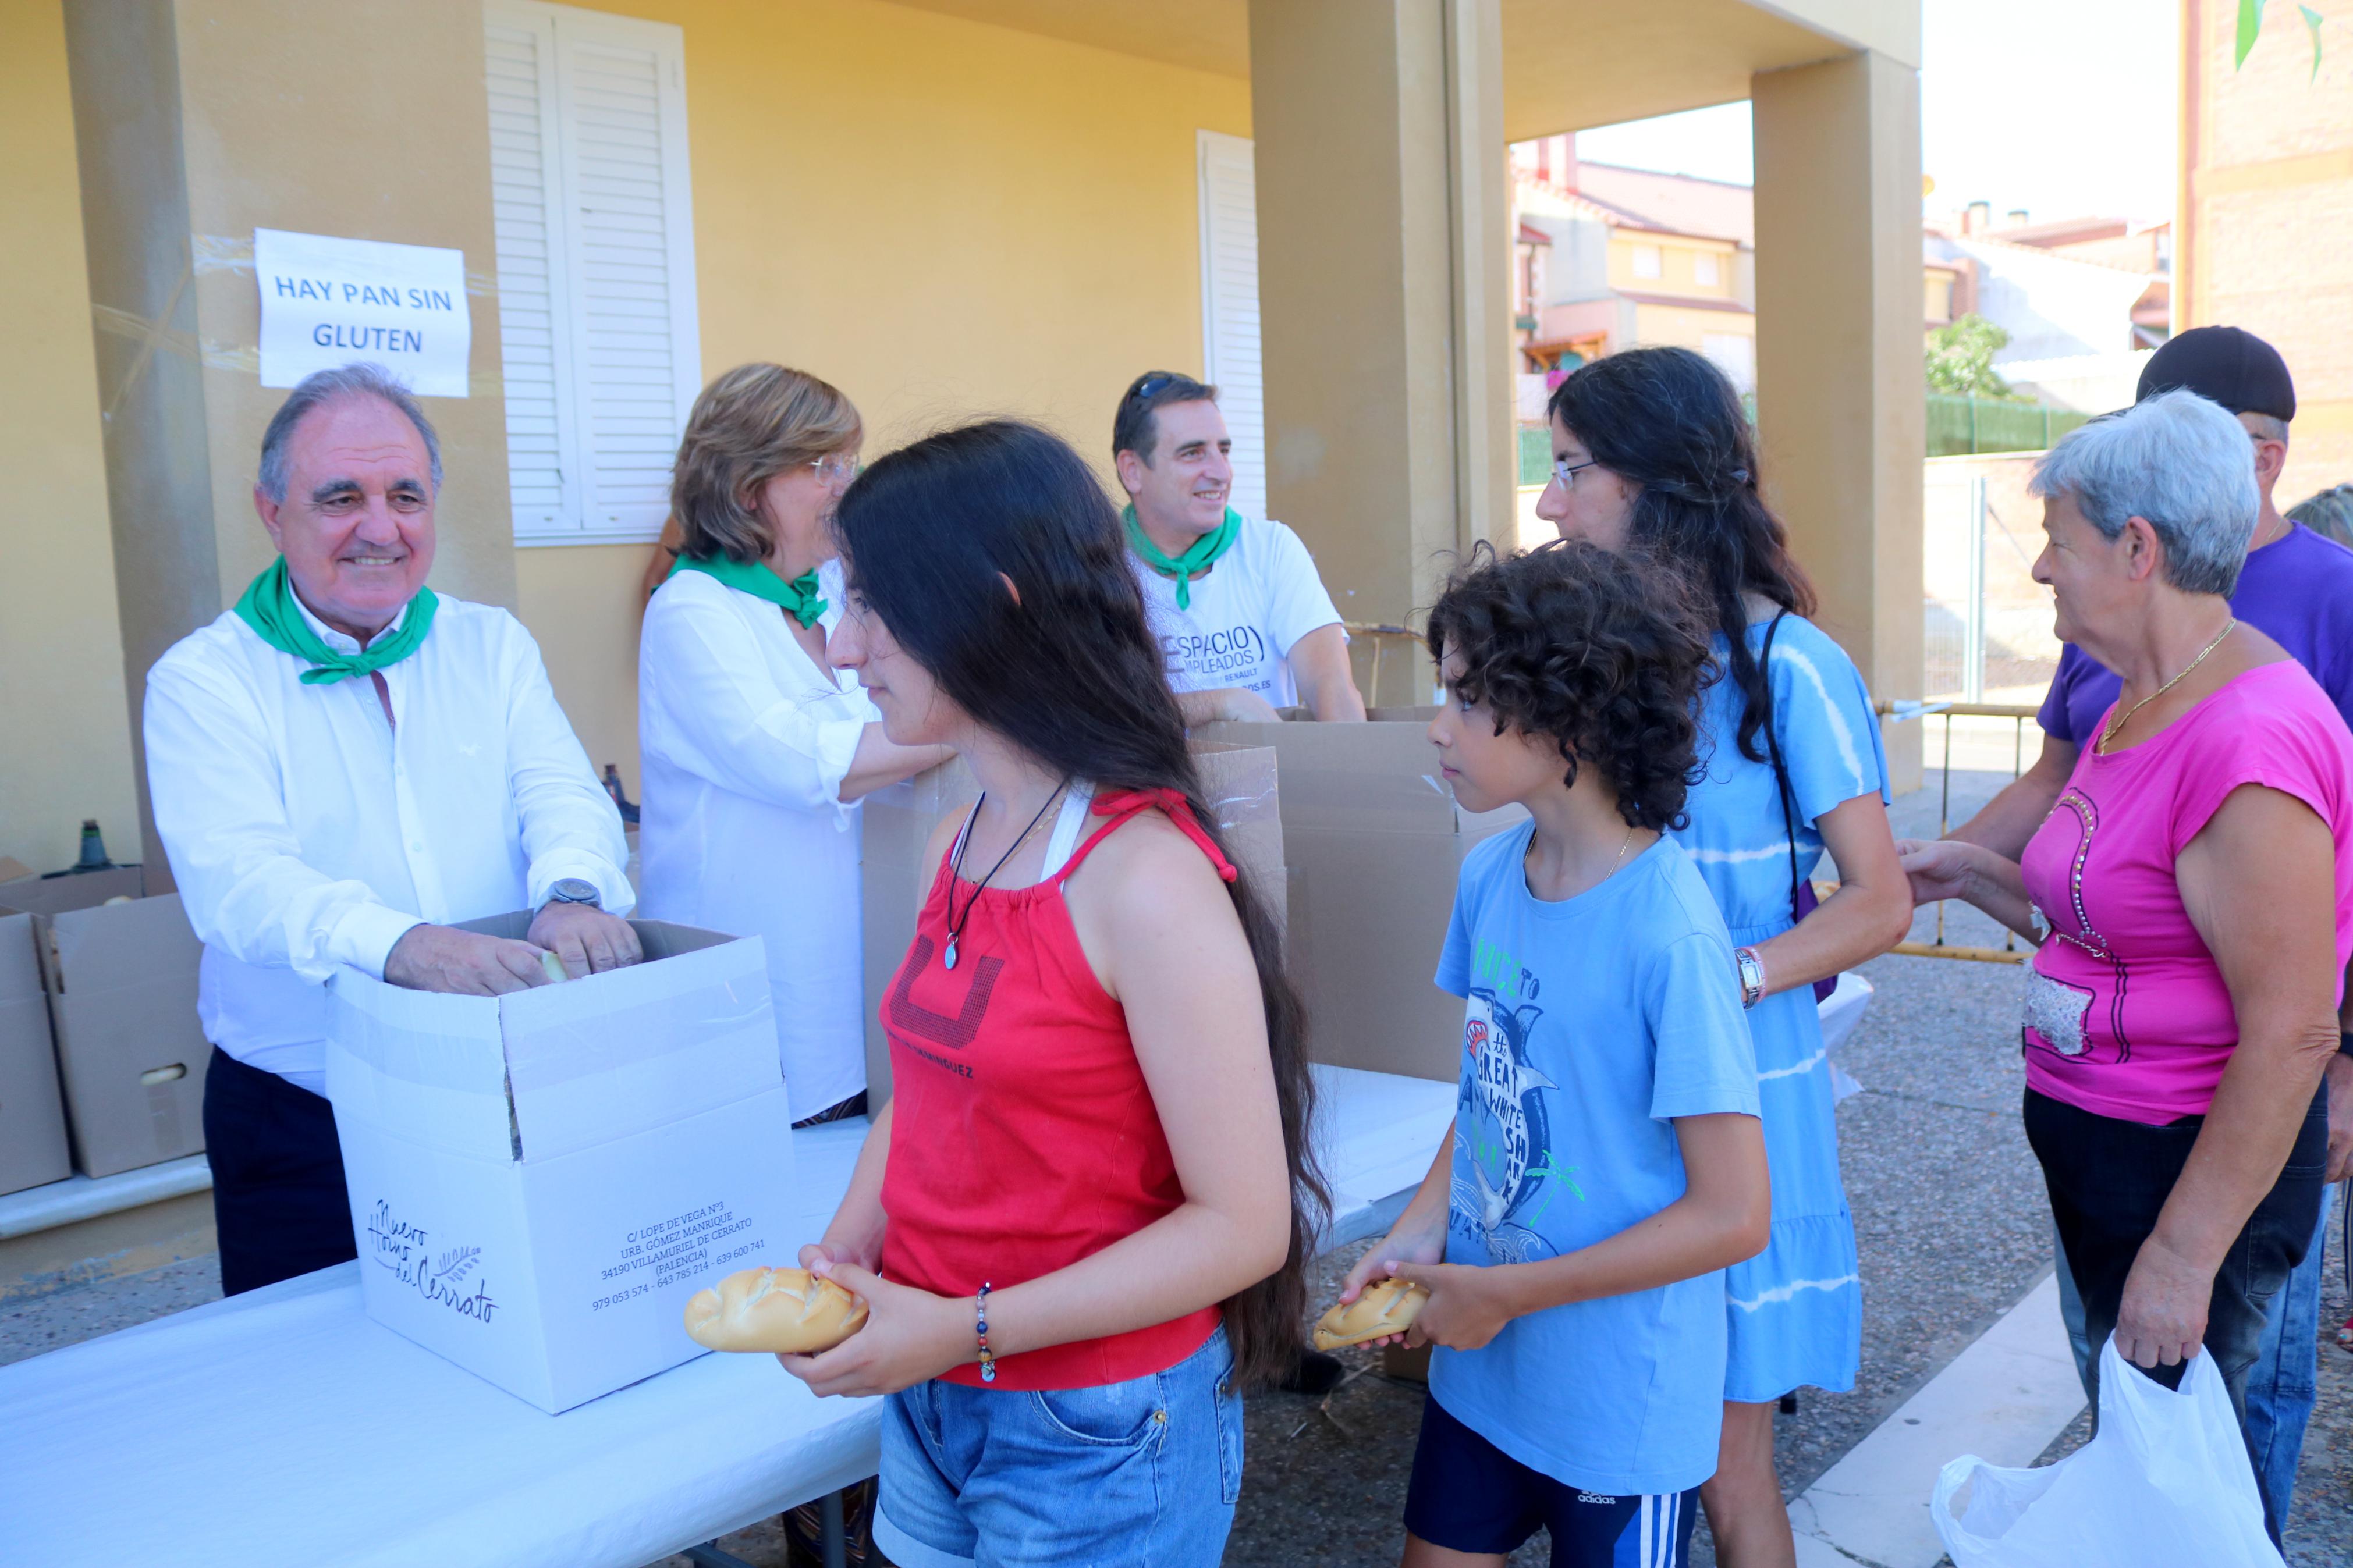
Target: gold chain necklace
2117,724
1625,844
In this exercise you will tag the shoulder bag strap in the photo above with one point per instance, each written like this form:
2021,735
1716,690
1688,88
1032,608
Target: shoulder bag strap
1780,772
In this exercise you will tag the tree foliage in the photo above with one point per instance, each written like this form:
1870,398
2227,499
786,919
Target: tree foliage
1960,358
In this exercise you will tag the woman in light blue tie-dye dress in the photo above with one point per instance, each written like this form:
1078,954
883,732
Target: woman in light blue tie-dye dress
1651,451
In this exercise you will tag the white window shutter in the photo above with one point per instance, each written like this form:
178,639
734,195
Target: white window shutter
1230,339
611,252
534,353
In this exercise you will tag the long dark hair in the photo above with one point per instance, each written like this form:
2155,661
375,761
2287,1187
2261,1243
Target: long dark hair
1070,674
1669,420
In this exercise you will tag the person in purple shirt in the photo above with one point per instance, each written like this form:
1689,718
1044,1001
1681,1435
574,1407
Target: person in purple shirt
2296,588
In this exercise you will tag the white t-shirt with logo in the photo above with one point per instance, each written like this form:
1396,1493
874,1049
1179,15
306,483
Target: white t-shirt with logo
1245,617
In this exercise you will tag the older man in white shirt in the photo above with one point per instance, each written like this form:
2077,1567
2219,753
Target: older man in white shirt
343,767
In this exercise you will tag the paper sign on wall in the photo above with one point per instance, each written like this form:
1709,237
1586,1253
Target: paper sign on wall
328,302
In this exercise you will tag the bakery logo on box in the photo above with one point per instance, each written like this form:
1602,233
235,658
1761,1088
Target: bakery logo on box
450,1276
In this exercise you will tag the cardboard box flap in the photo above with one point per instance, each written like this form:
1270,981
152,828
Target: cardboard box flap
1361,778
431,1065
590,1061
82,890
32,1112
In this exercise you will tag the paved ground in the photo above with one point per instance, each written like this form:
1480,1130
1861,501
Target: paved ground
1950,1219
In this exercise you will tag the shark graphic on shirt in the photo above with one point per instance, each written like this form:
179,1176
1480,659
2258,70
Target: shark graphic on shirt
1503,1133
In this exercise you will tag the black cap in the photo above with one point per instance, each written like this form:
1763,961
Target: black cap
2225,365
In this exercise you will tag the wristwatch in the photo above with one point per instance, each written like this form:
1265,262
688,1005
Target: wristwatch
1752,975
575,890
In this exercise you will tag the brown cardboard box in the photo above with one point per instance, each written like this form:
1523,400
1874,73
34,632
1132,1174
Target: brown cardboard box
31,1113
1374,841
122,1000
1240,784
85,890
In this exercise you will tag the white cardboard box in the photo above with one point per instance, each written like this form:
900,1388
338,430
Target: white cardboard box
540,1181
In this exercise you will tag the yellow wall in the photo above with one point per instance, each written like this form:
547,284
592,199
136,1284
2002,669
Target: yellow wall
1678,265
1665,325
65,741
944,219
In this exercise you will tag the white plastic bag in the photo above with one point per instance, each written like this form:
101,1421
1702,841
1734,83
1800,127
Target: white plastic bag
2166,1484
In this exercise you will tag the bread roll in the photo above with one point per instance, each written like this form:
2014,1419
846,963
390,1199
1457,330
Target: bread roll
1386,1307
556,974
773,1309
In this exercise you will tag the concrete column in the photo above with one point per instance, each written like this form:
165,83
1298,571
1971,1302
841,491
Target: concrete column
197,122
1384,295
1840,389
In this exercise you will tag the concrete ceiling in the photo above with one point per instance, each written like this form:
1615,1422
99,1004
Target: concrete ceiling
1568,64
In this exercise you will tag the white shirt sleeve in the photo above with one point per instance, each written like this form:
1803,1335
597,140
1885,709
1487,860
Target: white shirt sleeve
1296,601
213,777
570,826
724,718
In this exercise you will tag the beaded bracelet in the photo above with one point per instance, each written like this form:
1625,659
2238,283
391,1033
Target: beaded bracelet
980,1319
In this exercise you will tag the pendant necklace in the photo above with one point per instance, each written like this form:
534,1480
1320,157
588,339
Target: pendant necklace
2100,748
956,869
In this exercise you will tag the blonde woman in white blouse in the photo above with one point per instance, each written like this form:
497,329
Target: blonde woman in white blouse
755,750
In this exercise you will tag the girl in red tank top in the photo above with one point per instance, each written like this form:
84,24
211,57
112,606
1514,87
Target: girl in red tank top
1078,1226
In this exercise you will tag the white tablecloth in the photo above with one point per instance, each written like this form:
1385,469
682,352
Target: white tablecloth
283,1427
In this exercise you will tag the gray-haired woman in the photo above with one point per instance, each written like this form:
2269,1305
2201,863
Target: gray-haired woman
2191,895
2328,513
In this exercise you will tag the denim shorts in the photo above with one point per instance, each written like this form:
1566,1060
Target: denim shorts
1144,1472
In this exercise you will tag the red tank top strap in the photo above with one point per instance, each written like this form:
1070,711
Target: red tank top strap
1119,804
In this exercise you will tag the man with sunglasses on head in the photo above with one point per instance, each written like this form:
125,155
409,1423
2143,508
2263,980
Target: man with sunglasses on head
2296,588
1235,602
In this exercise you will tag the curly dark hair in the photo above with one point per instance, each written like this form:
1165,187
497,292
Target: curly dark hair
1602,653
1668,420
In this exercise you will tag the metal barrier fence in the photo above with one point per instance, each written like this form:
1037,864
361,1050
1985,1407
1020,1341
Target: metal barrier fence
2009,952
1978,425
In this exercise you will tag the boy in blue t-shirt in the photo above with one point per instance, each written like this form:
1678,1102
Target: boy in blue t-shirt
1606,1162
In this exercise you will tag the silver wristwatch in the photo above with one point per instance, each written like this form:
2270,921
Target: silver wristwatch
1752,975
575,890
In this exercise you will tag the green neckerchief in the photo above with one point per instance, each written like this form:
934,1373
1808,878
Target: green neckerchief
799,596
269,607
1199,557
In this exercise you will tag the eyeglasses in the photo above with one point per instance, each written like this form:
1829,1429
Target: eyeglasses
1566,471
1151,386
836,473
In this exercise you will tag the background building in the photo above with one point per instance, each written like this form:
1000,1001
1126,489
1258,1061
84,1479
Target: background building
1613,257
2265,214
647,192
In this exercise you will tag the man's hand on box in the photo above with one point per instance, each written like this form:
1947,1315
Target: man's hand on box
587,940
443,958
